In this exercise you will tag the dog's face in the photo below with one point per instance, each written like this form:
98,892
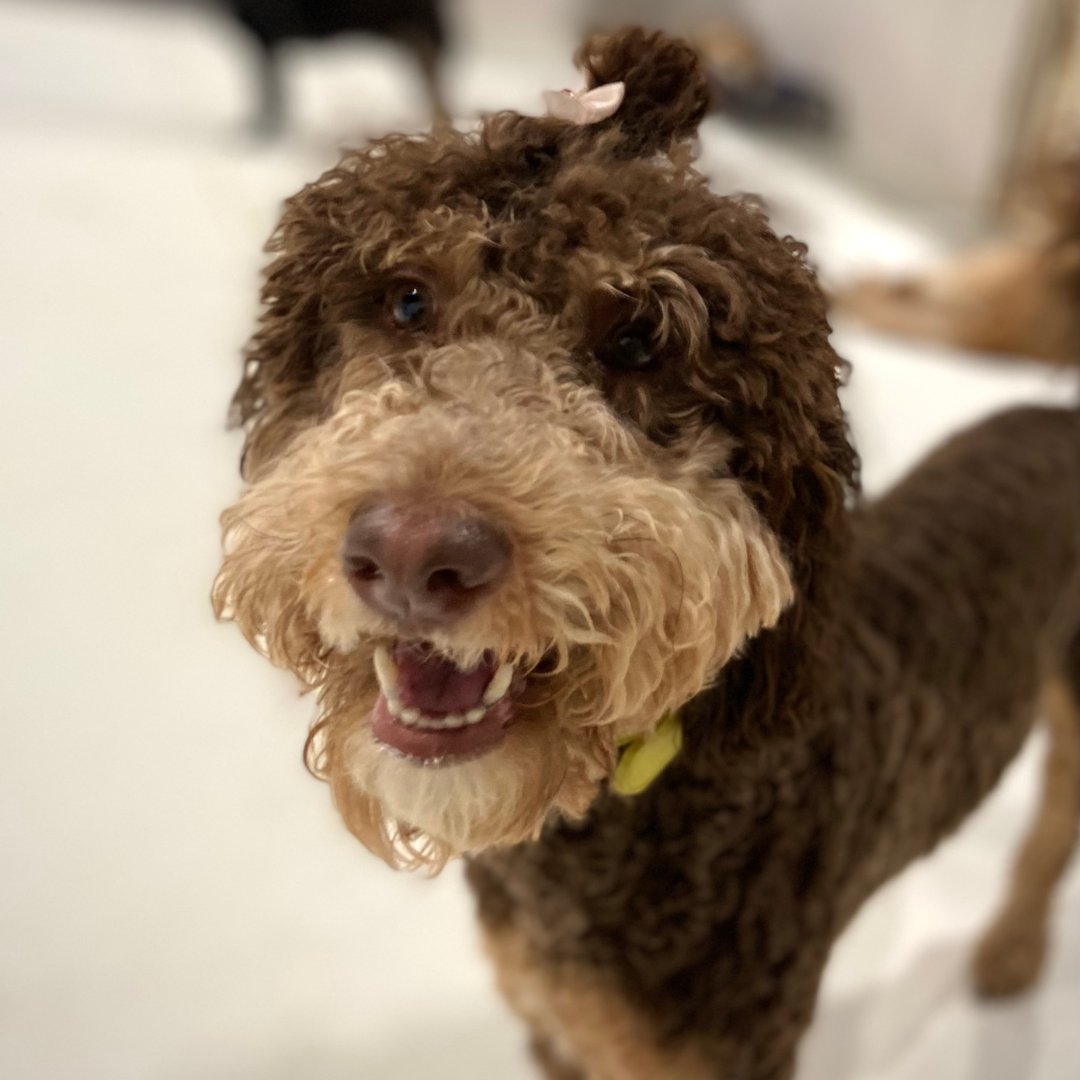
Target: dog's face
543,432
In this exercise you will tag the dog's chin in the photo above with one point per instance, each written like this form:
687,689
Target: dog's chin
463,801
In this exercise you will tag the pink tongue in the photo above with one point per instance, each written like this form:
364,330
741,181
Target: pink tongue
432,684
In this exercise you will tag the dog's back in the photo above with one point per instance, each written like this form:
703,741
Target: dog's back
965,608
984,534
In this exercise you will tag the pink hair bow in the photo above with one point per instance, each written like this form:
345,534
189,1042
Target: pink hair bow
585,106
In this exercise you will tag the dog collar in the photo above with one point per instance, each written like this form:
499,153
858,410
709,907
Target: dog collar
642,758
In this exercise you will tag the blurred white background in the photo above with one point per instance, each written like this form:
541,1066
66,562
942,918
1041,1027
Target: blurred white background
179,900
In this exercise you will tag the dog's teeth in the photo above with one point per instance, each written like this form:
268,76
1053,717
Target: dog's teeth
415,718
385,671
499,684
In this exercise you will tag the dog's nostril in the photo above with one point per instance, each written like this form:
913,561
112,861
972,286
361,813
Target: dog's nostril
445,581
364,569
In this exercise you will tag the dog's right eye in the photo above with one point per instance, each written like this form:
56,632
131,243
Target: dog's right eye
631,348
410,305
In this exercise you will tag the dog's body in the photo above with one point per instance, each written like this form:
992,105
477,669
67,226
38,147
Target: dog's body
706,906
545,446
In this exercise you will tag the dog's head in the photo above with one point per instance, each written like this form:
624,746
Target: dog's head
541,432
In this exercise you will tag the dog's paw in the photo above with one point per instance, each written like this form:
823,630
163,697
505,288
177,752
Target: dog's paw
1010,957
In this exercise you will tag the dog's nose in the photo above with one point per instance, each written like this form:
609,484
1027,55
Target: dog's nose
423,563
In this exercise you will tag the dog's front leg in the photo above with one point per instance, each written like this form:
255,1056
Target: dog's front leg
582,1028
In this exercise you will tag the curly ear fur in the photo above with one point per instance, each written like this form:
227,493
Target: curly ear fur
667,94
767,375
277,389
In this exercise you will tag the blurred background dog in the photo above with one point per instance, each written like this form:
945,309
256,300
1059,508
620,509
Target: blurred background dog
415,24
1017,295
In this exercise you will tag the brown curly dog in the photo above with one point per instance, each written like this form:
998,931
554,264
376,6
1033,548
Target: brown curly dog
544,446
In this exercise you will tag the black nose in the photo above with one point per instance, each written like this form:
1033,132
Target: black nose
423,563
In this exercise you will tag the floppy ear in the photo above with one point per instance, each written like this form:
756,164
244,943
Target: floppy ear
793,455
666,92
771,379
291,334
296,336
810,505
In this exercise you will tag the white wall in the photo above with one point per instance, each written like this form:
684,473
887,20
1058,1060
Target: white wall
926,87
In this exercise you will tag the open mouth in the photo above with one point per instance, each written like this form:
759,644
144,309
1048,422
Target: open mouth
434,712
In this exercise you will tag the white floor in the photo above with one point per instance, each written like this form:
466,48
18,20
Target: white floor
178,899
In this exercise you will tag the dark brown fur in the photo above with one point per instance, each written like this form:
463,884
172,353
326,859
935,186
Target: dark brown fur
712,899
837,745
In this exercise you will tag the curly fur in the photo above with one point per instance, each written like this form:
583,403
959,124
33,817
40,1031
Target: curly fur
684,537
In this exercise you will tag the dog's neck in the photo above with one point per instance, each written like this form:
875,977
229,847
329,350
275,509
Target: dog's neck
764,692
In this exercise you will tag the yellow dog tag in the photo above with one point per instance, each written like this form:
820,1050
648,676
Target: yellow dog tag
644,757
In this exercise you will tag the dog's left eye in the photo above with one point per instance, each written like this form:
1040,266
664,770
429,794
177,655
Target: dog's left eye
630,349
410,305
